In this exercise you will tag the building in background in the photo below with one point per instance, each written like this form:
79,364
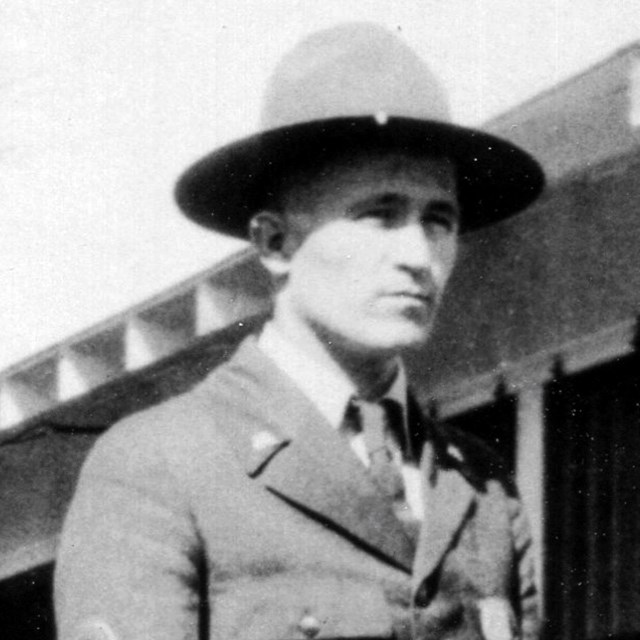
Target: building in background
537,350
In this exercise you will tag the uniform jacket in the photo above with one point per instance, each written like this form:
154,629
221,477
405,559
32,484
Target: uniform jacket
234,512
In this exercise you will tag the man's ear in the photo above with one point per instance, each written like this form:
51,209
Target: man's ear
267,232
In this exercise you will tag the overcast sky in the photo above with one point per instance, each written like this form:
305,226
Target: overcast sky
104,103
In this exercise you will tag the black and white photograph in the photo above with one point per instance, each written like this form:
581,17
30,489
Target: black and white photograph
320,320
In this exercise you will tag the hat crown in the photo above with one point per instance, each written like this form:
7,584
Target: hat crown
356,69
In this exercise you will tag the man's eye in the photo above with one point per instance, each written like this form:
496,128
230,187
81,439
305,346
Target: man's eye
439,227
442,221
380,215
439,222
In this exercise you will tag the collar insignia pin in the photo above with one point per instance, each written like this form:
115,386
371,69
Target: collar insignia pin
263,440
455,453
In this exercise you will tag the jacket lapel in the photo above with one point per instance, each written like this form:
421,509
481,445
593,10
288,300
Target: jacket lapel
319,474
448,497
289,448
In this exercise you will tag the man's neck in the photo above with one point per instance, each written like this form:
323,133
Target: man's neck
371,374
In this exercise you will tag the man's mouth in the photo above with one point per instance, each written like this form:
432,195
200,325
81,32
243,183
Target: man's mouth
418,297
414,293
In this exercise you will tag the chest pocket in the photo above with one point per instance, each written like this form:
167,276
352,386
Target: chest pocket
303,607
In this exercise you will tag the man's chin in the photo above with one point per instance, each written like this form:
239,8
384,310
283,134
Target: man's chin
399,338
408,346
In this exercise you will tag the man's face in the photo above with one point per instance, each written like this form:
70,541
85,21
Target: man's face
370,245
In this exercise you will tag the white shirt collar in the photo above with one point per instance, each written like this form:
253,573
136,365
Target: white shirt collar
325,385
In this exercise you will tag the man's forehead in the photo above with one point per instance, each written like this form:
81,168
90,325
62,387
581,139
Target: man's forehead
366,169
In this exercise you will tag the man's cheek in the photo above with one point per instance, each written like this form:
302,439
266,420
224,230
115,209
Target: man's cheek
335,258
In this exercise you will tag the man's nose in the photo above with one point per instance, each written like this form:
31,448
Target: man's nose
413,248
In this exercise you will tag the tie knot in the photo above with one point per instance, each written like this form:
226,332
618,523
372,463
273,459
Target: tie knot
380,423
375,421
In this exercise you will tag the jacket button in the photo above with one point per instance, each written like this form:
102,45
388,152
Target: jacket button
310,626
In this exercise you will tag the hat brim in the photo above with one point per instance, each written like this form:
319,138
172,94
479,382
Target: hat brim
226,188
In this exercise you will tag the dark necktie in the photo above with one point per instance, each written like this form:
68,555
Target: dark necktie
381,424
375,421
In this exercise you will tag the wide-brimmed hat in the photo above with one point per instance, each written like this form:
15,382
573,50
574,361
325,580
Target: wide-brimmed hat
351,87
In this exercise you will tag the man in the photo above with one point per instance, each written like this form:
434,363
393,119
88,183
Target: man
298,492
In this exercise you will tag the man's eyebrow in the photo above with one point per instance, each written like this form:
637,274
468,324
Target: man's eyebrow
446,206
387,198
390,198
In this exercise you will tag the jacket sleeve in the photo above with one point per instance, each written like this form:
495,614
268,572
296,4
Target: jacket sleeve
527,592
128,562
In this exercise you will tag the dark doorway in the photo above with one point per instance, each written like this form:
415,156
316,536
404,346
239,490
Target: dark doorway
592,485
26,605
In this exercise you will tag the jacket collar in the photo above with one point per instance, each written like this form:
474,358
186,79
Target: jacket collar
448,497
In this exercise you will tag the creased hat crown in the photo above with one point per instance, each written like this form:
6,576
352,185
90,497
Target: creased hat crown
354,69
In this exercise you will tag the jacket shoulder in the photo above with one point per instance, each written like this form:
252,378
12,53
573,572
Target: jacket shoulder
170,433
